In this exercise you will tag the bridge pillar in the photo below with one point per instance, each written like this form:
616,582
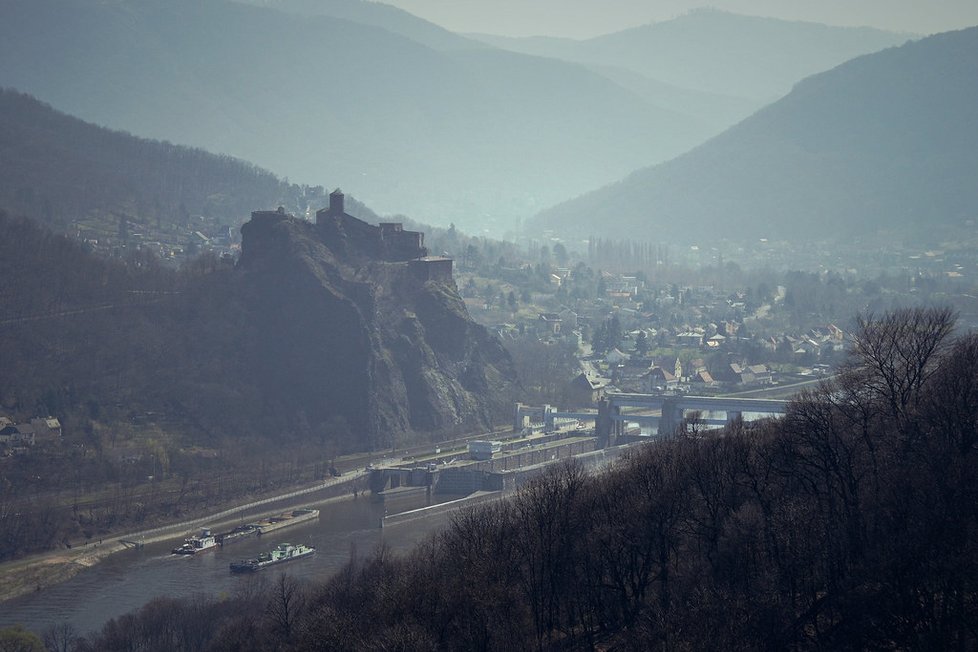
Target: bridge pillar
378,480
520,419
603,424
548,418
734,415
672,416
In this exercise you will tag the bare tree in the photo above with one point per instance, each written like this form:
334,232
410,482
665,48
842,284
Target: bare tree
547,513
284,606
895,355
62,637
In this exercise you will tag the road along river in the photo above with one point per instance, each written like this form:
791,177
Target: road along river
127,580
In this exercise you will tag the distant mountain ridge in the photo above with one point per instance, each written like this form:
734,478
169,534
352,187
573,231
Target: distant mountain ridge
713,51
715,66
476,136
886,142
375,14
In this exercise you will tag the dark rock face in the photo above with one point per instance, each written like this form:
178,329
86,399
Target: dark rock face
364,344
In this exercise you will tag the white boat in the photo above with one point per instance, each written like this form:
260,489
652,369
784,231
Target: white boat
192,545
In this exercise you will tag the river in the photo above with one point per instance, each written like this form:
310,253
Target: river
127,580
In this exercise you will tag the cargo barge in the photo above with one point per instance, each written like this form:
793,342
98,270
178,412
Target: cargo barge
282,553
270,524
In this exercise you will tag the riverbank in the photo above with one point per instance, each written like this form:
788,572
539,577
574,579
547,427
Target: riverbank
477,498
37,572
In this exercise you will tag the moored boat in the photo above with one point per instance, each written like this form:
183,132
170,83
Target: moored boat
285,519
239,532
282,553
265,525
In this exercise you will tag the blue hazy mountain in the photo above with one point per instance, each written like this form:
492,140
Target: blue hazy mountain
716,66
376,14
716,52
885,142
465,135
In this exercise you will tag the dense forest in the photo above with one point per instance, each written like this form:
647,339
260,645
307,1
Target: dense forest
109,347
83,335
848,524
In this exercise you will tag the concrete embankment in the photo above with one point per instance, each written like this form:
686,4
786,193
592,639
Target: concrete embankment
477,498
516,478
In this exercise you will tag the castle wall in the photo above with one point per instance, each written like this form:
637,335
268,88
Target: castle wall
388,241
431,268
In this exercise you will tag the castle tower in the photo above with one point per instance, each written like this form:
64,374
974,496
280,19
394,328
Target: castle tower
336,203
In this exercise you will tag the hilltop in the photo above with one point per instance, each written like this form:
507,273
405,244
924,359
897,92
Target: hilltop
307,338
122,193
58,167
195,387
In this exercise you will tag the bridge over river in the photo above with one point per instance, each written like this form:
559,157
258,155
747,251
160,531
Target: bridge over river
664,412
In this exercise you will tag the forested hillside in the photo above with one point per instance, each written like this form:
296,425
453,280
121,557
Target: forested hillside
295,342
297,347
87,338
60,169
848,524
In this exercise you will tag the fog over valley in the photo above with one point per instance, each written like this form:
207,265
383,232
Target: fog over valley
553,325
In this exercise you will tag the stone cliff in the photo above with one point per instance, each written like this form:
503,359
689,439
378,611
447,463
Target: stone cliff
366,348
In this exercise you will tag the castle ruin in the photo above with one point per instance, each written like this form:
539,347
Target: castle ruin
387,241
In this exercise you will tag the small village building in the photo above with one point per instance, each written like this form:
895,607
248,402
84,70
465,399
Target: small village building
550,322
689,339
631,372
46,427
616,357
762,375
673,365
587,389
568,318
702,379
749,375
716,341
659,379
17,435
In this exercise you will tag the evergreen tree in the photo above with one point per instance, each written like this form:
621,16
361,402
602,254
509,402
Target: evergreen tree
642,343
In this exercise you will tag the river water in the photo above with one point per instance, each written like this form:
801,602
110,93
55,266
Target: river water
127,580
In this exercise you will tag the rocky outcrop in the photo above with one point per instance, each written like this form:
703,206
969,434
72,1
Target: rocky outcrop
363,347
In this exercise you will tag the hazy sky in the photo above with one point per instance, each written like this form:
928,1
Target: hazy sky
584,18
